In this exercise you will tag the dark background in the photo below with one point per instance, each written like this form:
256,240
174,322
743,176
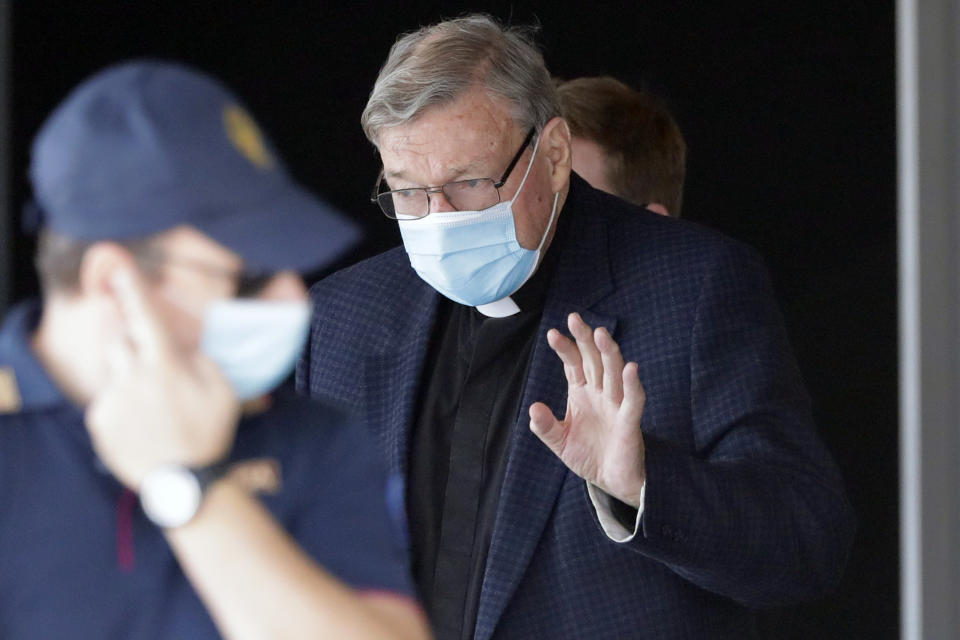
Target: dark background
789,114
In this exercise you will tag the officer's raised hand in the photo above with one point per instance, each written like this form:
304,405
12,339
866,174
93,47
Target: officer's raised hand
599,438
160,405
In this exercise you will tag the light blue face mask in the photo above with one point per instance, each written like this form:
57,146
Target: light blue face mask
473,257
255,343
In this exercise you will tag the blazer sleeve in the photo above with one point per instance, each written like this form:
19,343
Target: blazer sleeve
304,369
757,511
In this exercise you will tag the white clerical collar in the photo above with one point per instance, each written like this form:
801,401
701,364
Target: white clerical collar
499,308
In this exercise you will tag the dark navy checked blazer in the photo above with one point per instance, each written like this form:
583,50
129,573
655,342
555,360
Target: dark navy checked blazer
744,507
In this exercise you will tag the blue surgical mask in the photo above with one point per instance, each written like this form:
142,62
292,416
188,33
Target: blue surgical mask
473,257
255,343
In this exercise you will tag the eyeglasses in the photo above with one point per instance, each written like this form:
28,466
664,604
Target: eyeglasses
249,282
463,195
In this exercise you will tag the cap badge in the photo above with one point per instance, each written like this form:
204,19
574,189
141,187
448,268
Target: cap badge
245,136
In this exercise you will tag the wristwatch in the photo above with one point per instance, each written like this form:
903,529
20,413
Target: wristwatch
171,495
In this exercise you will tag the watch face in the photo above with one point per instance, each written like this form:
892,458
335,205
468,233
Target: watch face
170,496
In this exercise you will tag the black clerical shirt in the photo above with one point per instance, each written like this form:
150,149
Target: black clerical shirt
473,384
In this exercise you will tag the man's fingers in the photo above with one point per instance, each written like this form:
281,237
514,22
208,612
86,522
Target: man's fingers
612,364
592,365
568,353
634,396
119,359
545,425
144,330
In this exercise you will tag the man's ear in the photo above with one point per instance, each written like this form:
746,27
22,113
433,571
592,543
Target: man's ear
100,262
555,140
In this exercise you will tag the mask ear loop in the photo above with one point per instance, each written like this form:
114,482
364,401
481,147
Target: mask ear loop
533,156
556,198
553,215
506,306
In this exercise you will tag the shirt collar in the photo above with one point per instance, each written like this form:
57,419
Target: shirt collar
36,388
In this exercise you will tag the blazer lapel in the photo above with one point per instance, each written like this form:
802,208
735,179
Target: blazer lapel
534,474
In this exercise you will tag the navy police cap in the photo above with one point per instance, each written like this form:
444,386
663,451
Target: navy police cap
146,146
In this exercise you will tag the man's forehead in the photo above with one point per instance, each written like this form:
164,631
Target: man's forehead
455,149
469,133
475,130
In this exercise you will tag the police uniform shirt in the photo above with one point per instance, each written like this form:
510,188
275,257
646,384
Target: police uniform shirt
78,558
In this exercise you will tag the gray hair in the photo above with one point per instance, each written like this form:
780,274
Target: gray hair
437,64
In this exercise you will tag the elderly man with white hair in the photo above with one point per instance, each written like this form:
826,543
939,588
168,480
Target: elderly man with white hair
657,474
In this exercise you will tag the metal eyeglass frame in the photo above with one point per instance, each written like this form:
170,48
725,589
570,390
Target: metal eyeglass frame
375,195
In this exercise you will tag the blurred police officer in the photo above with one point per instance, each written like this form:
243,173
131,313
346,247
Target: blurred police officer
170,245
